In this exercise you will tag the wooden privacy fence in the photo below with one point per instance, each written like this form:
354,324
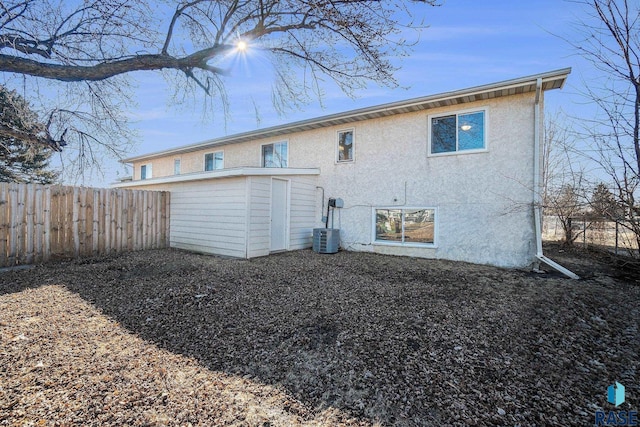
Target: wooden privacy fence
40,222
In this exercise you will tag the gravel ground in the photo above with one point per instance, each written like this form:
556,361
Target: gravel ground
172,338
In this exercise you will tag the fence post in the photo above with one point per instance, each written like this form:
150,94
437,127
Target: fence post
4,223
46,233
95,234
28,221
616,250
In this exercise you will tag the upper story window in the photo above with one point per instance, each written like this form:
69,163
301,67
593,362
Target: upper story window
145,171
345,146
176,166
461,132
275,155
214,161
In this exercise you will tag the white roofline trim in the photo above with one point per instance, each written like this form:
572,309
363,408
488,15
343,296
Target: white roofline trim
216,174
557,79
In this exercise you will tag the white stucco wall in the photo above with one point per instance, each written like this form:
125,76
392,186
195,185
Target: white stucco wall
483,200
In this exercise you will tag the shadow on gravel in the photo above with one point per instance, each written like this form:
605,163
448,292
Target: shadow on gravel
399,341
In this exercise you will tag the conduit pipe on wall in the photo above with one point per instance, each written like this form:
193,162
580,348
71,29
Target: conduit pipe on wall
537,199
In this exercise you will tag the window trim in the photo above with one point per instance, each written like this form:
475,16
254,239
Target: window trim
353,143
284,141
433,245
457,113
213,153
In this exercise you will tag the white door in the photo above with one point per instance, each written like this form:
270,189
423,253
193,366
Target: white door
278,215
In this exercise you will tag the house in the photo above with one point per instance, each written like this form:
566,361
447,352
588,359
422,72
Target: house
449,176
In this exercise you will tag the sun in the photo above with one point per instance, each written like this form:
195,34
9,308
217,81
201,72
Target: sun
242,45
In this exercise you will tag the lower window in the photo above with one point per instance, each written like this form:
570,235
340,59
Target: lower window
405,226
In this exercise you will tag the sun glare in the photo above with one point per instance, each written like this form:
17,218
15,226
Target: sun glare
241,45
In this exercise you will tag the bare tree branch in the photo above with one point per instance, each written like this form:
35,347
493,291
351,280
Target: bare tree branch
102,43
612,44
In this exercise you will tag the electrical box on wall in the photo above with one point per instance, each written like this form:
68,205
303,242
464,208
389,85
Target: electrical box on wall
336,203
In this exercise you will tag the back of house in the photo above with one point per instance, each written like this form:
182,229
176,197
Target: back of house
449,176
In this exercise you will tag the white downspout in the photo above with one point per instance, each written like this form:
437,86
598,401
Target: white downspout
537,198
537,205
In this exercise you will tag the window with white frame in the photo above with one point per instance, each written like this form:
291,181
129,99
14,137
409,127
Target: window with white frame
145,171
214,161
345,146
275,155
456,133
176,166
411,226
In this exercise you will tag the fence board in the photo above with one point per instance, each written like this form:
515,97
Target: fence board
122,221
29,221
99,219
4,222
54,220
165,220
155,219
39,222
14,218
21,219
69,225
95,205
60,215
129,224
86,221
46,234
108,233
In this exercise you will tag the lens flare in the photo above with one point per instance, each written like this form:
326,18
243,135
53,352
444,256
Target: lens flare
241,45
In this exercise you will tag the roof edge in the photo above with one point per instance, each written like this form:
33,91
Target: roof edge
217,174
559,75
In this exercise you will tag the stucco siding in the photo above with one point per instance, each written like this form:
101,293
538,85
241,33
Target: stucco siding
483,200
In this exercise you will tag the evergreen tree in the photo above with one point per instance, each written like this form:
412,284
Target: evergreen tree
603,203
22,161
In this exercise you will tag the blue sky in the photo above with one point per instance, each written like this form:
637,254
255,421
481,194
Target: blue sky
467,43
